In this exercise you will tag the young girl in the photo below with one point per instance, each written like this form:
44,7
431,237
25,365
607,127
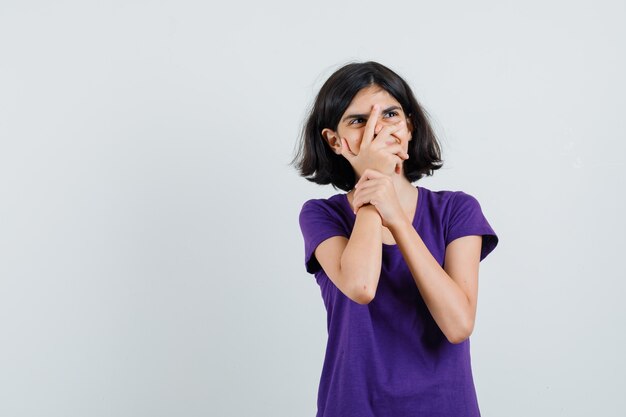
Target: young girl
397,264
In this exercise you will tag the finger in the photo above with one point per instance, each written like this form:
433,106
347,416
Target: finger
370,173
396,149
370,196
393,159
388,130
399,167
359,201
365,203
364,179
363,184
370,126
397,163
359,183
402,155
345,149
393,140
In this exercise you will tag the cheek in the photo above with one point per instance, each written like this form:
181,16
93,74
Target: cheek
407,133
357,141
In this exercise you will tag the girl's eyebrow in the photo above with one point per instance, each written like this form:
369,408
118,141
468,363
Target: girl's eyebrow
364,116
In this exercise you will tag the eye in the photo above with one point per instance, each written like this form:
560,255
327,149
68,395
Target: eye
356,121
359,120
392,113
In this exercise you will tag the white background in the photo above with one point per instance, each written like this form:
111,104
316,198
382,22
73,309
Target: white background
151,262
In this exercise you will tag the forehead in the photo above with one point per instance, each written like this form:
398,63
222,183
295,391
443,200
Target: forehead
368,96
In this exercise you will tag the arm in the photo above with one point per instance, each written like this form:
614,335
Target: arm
353,265
450,292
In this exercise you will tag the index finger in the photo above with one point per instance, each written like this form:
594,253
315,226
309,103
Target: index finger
369,174
368,135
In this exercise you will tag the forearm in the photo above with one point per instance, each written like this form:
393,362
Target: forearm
362,257
445,300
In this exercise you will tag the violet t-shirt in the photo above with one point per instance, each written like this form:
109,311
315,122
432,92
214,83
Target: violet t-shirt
389,358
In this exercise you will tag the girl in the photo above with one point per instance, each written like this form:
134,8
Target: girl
397,264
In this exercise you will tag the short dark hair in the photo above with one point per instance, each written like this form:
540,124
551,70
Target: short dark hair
316,161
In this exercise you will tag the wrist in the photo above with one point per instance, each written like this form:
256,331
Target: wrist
369,210
402,224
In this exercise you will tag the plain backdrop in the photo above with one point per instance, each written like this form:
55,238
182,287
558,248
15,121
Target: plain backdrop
151,261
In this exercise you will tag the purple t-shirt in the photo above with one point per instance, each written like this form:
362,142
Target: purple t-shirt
389,358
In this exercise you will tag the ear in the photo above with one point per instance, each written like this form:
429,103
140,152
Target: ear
333,140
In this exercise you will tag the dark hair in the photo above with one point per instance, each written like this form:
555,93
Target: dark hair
318,163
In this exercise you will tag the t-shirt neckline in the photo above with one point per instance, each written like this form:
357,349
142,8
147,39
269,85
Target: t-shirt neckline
416,216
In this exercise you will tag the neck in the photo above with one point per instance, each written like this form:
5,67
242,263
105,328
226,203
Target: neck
402,185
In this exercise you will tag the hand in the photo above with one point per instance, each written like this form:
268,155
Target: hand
377,189
379,148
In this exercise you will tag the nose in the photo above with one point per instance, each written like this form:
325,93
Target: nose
379,126
382,123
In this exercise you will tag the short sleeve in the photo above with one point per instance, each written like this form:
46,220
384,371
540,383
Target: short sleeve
466,218
318,222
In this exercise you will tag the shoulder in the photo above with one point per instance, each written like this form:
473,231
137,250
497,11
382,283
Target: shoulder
457,205
451,207
441,202
463,199
329,205
449,198
316,209
320,219
454,213
466,217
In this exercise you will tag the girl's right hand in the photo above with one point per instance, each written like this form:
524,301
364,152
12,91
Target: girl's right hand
379,150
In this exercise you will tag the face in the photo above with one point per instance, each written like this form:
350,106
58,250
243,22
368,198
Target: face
352,123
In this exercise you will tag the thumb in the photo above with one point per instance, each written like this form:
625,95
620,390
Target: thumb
345,149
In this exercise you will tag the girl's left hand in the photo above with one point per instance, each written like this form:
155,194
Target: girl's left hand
377,189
